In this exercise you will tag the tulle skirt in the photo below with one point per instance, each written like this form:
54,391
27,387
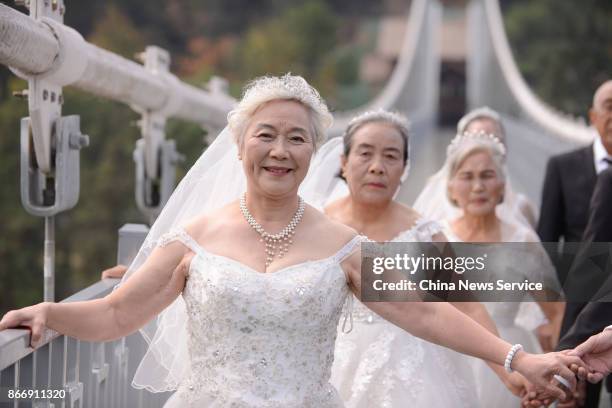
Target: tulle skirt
183,399
380,365
515,323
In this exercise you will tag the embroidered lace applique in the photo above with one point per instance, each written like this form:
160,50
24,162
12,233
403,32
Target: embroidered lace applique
264,340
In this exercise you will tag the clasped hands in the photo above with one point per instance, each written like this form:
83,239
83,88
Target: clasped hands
596,353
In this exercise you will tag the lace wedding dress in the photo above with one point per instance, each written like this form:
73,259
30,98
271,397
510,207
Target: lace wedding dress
260,340
515,321
377,364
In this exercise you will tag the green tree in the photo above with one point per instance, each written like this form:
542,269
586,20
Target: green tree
563,48
126,42
297,40
274,36
20,264
86,236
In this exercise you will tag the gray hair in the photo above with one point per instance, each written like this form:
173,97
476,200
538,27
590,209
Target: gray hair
469,147
379,116
483,112
287,87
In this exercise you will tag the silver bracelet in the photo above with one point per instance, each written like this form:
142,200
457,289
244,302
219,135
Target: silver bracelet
510,356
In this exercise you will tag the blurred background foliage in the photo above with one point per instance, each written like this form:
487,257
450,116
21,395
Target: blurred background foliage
563,47
321,40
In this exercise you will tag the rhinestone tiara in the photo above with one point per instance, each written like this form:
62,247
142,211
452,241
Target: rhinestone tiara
268,88
288,86
480,136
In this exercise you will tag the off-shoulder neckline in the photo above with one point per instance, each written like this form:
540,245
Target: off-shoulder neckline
334,257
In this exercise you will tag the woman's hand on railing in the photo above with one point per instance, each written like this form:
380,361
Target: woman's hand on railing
156,284
34,318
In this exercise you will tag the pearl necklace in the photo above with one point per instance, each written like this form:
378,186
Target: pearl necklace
276,244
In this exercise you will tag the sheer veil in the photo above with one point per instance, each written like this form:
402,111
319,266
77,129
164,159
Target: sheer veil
433,201
323,184
214,180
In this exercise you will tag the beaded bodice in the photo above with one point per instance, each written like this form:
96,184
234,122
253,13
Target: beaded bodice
258,339
422,231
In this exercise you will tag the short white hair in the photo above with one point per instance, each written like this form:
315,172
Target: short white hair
483,112
287,87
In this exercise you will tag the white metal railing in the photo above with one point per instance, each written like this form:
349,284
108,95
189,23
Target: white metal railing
77,373
58,53
50,55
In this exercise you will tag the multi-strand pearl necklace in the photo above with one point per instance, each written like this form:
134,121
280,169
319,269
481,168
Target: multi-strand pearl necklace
276,244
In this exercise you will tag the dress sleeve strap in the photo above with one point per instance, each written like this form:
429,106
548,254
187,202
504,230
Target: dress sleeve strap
179,234
348,249
425,229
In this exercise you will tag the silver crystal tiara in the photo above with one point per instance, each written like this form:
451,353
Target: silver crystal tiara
475,137
288,85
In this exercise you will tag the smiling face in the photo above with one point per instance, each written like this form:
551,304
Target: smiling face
476,187
375,162
276,148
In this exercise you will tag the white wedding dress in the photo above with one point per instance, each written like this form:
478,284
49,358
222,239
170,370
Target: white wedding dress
515,321
260,340
377,364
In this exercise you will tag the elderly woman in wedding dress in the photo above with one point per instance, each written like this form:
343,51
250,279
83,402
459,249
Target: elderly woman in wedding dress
376,363
475,184
248,287
516,206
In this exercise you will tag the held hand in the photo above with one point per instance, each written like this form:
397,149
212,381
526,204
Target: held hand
576,399
32,317
516,384
596,352
540,369
536,398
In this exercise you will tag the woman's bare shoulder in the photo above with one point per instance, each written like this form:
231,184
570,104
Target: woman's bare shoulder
206,224
334,209
408,215
329,229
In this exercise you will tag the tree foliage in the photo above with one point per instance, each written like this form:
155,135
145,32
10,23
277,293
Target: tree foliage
235,39
563,48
